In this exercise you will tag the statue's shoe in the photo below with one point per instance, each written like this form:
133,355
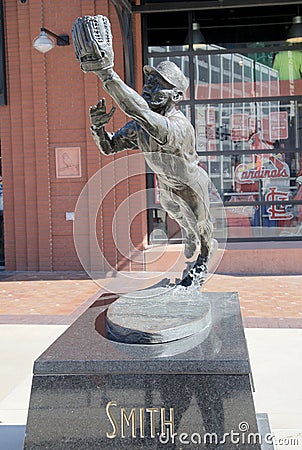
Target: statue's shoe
196,274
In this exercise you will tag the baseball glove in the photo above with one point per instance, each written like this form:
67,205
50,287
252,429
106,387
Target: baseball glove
92,40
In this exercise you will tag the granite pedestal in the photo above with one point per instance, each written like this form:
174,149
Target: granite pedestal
90,392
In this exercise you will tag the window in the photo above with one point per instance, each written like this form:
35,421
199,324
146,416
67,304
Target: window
245,102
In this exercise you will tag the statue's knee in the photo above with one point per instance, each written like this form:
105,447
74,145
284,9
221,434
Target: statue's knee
173,207
206,229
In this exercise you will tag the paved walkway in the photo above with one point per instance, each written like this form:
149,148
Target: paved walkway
60,297
36,308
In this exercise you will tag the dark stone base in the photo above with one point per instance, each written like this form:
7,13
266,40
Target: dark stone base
92,393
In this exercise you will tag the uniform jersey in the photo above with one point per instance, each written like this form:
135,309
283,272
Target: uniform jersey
169,150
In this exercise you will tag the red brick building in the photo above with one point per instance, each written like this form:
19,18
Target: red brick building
48,98
45,125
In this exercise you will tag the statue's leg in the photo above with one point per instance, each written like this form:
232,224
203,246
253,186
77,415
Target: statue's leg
196,199
190,245
205,226
197,196
179,210
190,207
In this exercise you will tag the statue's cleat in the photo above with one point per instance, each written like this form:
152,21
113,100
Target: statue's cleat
186,281
196,274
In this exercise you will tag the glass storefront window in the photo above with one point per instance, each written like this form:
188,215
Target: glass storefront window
260,192
246,106
234,75
253,157
257,125
168,48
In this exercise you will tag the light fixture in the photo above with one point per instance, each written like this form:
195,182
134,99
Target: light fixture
295,32
43,43
198,39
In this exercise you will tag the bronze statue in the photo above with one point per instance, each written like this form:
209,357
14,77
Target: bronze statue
158,129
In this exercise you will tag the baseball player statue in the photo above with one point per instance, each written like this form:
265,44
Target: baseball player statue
158,129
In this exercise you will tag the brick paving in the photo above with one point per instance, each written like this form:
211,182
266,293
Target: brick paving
44,297
265,301
60,297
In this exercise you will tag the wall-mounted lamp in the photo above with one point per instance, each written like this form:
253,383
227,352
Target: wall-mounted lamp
43,43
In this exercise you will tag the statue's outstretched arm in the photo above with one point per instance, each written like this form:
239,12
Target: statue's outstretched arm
134,106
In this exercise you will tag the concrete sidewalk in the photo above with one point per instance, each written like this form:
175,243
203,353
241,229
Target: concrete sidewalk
35,308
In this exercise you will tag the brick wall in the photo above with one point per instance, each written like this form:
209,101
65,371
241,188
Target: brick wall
48,102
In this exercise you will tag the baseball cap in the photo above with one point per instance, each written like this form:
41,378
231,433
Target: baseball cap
170,72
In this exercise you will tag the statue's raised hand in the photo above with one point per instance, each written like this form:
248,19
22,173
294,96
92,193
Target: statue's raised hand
98,114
